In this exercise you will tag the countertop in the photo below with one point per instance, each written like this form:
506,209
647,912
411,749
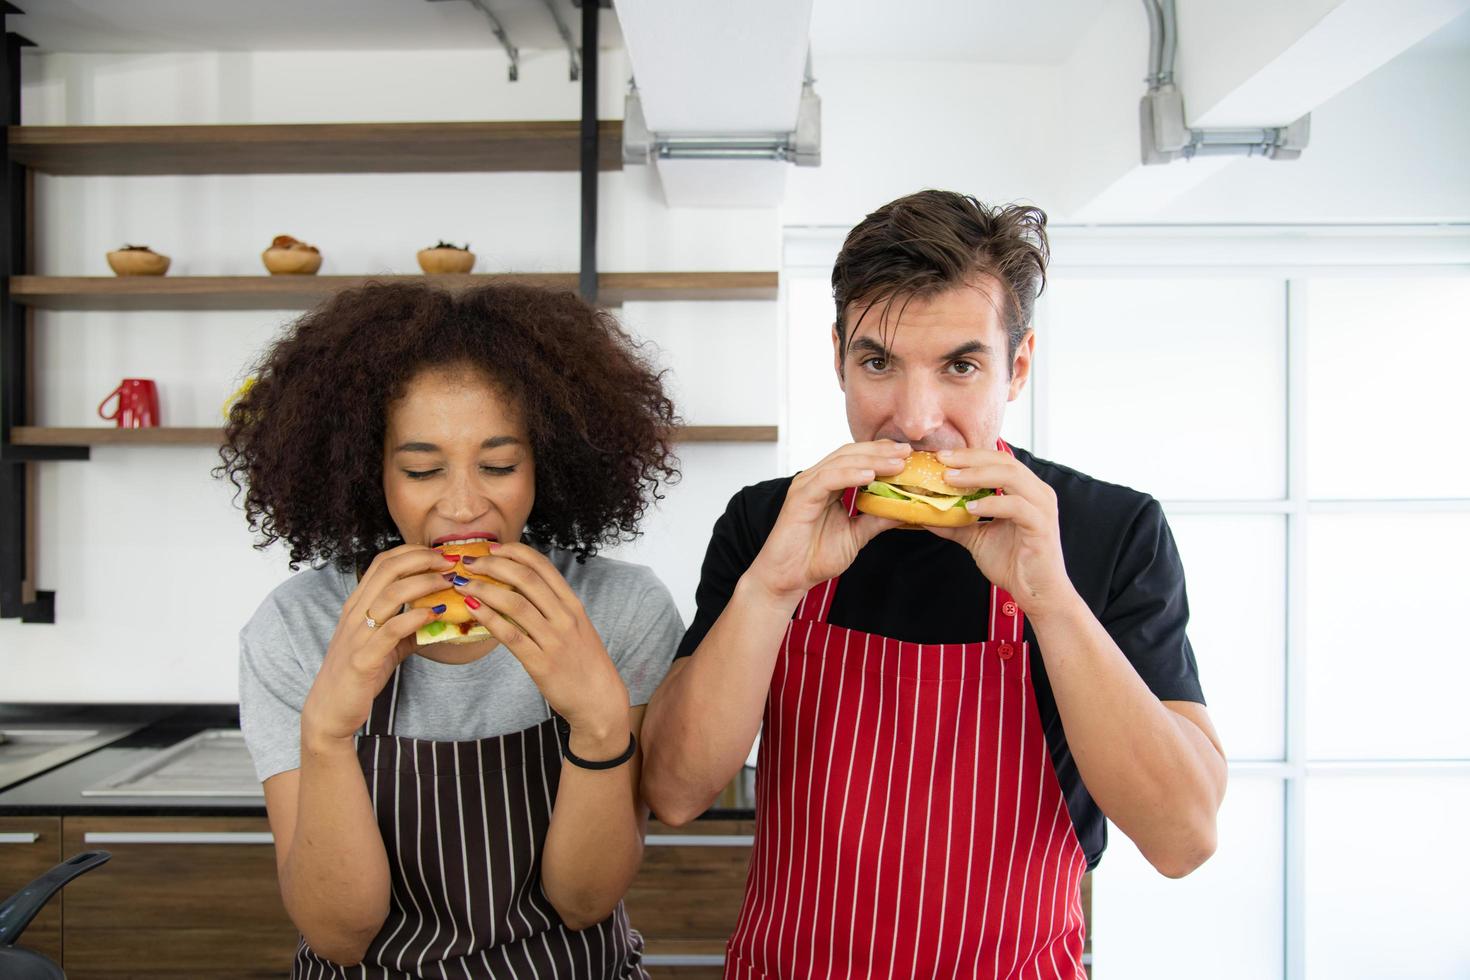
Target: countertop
57,792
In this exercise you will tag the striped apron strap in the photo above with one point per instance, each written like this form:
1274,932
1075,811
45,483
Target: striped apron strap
385,707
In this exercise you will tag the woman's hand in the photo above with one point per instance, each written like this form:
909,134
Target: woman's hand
555,641
360,659
1020,547
814,539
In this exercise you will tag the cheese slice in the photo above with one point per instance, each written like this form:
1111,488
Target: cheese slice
938,503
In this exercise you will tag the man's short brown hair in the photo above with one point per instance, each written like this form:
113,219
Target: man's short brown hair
928,242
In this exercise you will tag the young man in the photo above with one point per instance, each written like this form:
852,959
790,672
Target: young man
949,712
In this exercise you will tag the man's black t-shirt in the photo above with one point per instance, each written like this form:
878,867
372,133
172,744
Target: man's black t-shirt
1119,554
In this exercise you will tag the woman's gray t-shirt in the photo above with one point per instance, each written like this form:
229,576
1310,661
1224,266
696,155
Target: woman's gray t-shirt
283,644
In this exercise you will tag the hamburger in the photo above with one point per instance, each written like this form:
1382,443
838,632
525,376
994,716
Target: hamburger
456,624
919,495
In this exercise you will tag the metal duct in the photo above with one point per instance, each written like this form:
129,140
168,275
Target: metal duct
1162,130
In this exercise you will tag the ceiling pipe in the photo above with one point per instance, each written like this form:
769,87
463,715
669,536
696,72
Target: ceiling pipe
1170,41
801,146
1163,133
1155,43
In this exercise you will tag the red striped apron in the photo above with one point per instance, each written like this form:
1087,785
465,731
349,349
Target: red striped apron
908,817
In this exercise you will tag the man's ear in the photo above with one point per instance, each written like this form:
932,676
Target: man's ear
837,359
1021,364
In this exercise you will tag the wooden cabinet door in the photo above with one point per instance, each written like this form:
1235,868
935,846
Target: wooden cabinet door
687,896
28,847
182,897
1087,921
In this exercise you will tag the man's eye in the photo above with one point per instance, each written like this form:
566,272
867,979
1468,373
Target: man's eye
963,367
875,364
419,474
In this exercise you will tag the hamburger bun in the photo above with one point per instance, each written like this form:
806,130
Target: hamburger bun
456,624
923,475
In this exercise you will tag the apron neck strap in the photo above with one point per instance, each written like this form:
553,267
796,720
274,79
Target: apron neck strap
385,707
1006,621
817,602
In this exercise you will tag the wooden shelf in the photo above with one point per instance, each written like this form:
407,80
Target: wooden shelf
442,147
31,435
303,292
96,435
625,287
727,433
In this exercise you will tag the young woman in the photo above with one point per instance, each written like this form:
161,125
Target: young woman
454,809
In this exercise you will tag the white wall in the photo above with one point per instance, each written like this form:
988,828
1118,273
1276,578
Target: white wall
890,128
1393,148
153,515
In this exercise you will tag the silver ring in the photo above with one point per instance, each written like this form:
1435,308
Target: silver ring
372,623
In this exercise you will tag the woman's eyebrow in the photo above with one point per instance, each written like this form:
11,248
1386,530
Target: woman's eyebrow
495,442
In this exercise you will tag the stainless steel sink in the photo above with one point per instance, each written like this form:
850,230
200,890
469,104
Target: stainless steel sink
212,763
26,750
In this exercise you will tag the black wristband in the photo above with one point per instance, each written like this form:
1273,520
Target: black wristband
564,730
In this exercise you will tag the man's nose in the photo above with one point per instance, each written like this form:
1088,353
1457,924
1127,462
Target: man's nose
919,411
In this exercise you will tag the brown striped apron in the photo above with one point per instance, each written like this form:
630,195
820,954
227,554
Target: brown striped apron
464,824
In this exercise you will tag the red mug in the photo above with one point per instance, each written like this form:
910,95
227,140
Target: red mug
137,404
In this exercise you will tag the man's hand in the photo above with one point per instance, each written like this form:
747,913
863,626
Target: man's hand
814,539
1018,543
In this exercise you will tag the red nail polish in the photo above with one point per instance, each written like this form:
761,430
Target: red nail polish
472,602
451,557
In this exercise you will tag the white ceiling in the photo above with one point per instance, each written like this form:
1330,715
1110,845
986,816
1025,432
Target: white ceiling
998,31
1453,38
294,25
1004,31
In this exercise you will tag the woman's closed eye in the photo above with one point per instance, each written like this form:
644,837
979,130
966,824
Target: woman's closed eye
491,470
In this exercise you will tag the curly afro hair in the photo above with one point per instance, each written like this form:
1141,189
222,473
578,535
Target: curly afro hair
305,442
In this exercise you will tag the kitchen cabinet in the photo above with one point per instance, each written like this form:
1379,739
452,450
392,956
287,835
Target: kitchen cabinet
687,895
197,896
30,846
182,897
